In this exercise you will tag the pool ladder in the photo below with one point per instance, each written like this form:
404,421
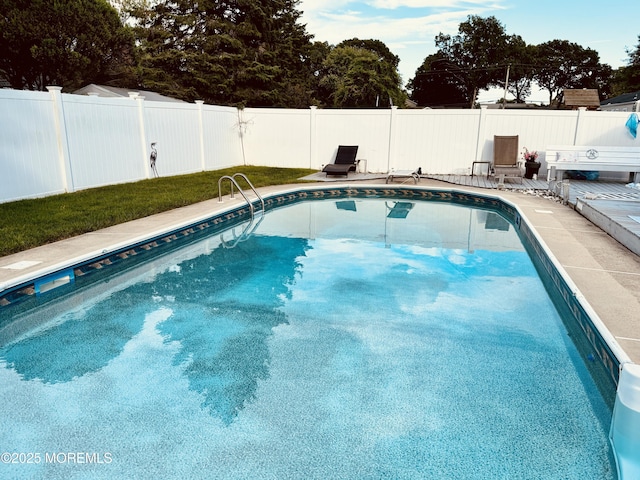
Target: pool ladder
250,227
232,181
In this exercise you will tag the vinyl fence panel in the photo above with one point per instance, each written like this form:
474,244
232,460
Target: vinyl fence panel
605,129
175,128
275,137
29,160
535,130
103,137
369,129
52,143
222,144
438,141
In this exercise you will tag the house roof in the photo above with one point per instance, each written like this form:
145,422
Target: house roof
585,97
624,98
105,91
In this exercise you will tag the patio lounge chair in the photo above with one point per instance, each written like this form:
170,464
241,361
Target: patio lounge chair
406,174
505,158
345,161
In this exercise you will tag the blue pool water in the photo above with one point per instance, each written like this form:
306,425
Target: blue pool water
343,339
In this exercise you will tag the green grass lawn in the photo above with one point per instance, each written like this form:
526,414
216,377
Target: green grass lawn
29,223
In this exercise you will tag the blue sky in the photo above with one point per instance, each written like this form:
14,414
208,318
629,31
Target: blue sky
408,27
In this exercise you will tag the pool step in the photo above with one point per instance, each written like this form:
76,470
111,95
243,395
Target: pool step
625,424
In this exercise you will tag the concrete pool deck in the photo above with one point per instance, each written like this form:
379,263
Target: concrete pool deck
606,272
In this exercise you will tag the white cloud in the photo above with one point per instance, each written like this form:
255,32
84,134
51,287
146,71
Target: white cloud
393,4
409,27
412,38
326,5
338,27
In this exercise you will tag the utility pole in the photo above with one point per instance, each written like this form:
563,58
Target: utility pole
506,84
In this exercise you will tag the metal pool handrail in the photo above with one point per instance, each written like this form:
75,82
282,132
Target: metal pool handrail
232,181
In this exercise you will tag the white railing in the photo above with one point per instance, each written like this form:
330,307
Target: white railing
53,143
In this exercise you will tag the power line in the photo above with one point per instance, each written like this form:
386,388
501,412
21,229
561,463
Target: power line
527,66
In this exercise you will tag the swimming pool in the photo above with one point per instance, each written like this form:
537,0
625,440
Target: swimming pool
379,338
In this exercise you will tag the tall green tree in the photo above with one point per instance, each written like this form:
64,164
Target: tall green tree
562,64
627,79
166,52
360,77
478,50
240,52
520,59
315,62
438,83
480,54
65,43
376,47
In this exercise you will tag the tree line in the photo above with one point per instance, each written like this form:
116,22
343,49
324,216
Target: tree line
482,55
257,53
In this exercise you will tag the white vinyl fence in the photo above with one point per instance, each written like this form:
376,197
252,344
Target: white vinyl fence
54,143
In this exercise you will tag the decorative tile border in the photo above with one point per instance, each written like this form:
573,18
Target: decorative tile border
570,305
222,221
118,258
